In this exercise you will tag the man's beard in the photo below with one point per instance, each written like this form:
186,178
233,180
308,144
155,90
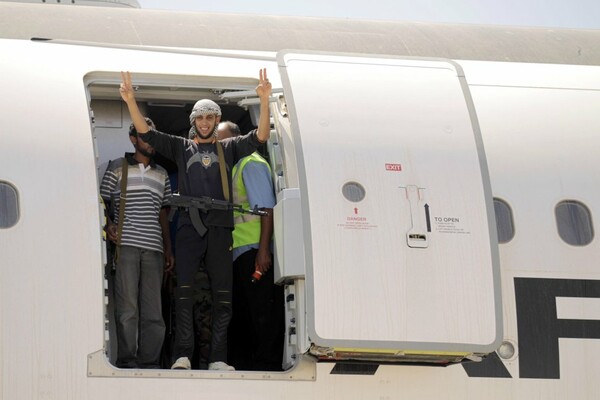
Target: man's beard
145,153
207,136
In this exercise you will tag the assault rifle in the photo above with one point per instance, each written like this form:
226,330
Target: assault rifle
205,203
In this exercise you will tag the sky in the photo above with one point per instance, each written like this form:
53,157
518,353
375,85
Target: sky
581,14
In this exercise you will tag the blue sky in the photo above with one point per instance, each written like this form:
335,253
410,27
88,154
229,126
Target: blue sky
549,13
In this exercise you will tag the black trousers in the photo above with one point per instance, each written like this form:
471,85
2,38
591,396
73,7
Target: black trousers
256,332
215,250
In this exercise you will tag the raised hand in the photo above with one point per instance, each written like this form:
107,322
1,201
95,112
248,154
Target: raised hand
126,88
128,96
264,89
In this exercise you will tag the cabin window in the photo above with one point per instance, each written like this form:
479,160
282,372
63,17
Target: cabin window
9,205
574,222
504,221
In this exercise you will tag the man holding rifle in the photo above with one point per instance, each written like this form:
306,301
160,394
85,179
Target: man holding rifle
204,166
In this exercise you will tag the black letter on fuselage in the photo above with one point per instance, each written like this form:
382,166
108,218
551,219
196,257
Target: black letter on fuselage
538,325
490,367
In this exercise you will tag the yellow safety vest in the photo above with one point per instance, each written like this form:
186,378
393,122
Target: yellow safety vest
247,226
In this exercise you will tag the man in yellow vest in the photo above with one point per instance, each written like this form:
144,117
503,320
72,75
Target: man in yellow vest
256,331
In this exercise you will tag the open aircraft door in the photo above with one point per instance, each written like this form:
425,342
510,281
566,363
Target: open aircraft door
400,249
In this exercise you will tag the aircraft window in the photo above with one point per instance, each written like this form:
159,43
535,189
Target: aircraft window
354,192
9,205
574,222
504,221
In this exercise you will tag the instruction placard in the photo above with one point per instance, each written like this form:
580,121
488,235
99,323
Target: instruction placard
450,225
356,221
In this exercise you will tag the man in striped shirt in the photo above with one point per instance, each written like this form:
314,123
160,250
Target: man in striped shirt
145,252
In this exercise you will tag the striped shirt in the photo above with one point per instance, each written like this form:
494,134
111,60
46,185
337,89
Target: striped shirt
148,190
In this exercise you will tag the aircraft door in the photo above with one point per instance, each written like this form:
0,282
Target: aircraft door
399,235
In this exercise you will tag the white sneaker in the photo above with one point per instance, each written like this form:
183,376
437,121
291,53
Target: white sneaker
182,363
220,366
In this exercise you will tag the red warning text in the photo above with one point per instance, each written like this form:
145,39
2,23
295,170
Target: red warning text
393,167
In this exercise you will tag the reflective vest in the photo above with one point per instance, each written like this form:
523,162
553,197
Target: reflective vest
247,226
